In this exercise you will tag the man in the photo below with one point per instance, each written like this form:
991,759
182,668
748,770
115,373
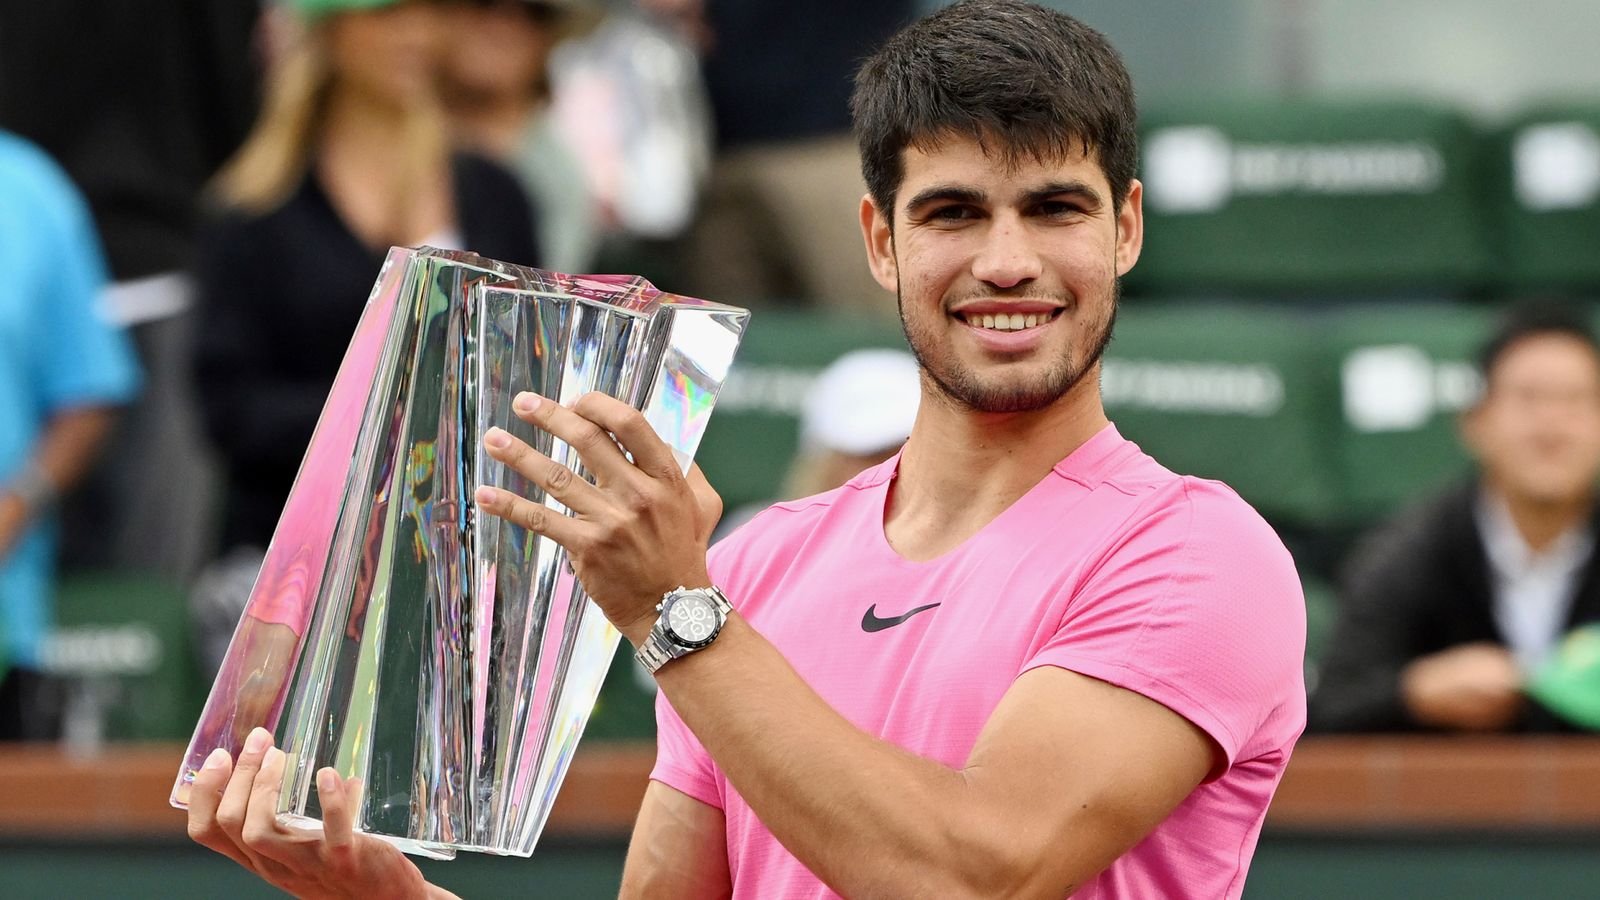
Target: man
63,370
1019,658
1453,606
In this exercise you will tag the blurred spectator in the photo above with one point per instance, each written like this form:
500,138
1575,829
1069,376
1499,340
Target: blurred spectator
857,414
140,103
495,80
779,219
351,155
1453,607
628,98
62,367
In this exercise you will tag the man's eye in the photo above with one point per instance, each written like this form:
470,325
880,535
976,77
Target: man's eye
1055,209
951,213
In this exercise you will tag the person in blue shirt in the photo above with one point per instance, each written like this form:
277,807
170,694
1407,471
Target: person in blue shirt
63,369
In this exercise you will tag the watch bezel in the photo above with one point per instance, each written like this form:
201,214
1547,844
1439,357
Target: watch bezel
677,597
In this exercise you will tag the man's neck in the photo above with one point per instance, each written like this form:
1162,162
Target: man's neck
1541,522
961,468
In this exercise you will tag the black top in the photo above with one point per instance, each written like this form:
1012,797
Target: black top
1419,585
280,296
781,71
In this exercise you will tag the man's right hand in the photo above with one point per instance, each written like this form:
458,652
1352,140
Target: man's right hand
1473,687
232,810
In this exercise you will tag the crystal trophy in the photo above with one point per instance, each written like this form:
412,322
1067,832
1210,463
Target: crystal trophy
449,659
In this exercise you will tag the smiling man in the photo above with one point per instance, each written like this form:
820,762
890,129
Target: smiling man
1018,659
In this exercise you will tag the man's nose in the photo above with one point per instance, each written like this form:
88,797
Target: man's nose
1007,258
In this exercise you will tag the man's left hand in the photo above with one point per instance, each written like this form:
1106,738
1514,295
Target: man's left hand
638,532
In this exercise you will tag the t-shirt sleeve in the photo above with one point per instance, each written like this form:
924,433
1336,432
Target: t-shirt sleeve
1199,608
681,762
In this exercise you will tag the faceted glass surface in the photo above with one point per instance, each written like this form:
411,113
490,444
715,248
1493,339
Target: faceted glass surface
449,660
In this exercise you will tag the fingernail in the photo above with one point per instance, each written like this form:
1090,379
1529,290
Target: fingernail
327,782
526,401
483,495
257,741
216,760
497,437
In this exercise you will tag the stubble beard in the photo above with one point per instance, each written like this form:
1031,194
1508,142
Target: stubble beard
967,390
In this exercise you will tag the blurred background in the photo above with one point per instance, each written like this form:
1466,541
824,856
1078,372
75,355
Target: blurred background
1343,199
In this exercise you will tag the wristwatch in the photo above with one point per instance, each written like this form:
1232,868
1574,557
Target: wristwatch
691,618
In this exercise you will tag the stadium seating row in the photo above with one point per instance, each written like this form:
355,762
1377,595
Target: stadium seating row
1316,415
1322,197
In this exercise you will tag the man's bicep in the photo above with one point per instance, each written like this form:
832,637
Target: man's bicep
1081,770
679,848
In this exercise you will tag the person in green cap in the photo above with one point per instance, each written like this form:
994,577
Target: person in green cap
1454,614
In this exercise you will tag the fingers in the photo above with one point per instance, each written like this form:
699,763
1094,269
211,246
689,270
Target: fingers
338,802
261,818
536,517
204,797
235,803
594,444
650,453
557,480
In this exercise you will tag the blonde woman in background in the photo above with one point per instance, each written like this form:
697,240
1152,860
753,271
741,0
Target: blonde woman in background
351,155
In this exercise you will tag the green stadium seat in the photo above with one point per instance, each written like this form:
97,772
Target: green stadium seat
1311,197
1404,374
1231,391
1548,162
123,650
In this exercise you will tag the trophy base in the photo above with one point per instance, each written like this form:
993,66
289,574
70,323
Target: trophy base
409,846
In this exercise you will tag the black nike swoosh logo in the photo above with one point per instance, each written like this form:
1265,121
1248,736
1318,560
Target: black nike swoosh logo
870,621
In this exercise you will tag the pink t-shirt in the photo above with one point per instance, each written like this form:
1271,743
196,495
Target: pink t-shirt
1112,566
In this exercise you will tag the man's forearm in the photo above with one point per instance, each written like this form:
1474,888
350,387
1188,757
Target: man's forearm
57,461
867,817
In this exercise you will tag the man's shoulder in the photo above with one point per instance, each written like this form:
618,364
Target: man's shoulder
1203,504
1444,516
788,523
33,185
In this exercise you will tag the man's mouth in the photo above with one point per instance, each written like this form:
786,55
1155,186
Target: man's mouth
1001,321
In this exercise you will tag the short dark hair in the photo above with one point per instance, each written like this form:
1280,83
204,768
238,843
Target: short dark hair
1537,319
1036,82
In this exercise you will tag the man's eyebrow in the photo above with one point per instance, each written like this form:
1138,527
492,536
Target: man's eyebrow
1079,189
949,193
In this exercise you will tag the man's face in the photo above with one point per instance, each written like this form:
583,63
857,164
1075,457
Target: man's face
1537,430
1006,276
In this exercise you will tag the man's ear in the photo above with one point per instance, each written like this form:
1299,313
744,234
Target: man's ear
1130,228
877,231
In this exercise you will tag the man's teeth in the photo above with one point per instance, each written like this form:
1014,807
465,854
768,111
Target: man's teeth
1008,321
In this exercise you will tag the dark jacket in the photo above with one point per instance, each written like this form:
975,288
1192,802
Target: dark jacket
280,295
1416,586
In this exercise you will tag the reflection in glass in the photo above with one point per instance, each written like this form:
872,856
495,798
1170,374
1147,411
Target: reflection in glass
449,660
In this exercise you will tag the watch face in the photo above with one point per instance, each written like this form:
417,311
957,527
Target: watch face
692,620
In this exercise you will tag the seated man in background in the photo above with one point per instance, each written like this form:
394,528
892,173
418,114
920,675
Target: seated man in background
1450,609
